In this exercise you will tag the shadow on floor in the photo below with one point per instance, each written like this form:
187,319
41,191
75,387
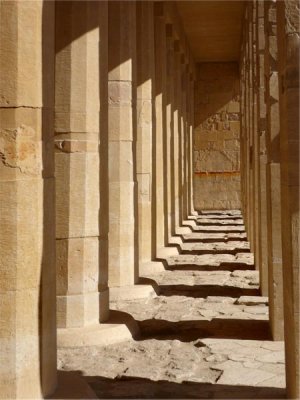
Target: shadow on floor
141,388
187,331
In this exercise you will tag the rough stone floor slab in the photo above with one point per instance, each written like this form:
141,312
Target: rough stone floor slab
215,247
204,335
215,236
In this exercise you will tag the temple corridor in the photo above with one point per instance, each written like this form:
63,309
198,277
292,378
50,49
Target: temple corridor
149,199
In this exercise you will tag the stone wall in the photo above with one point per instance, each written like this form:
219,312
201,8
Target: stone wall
216,137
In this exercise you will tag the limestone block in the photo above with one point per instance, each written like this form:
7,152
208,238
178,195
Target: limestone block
120,161
77,203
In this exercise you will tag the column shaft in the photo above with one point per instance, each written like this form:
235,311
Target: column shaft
169,153
261,256
273,174
288,57
122,137
191,209
144,108
160,167
27,226
77,166
176,129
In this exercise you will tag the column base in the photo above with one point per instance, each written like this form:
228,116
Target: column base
151,267
183,230
131,292
120,327
165,252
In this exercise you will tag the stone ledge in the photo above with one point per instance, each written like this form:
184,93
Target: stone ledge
133,292
120,327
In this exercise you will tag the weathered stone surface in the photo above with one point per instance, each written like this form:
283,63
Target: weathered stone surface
215,260
216,142
218,228
196,304
229,246
252,300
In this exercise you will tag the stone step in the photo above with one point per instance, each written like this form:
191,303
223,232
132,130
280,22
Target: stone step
220,212
200,237
218,228
229,247
219,222
228,262
217,217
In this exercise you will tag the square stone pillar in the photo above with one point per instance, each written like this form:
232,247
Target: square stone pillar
256,136
27,222
273,173
176,130
184,202
191,84
82,292
159,163
145,125
288,57
243,142
169,137
251,121
123,239
261,250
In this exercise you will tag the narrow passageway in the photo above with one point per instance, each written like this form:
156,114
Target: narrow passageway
203,333
149,199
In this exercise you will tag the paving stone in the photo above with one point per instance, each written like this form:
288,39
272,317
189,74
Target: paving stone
220,299
252,300
234,373
207,236
217,246
223,221
273,357
218,228
256,309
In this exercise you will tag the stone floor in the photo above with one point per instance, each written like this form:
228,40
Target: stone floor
205,334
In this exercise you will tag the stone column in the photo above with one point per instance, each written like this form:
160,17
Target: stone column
27,226
123,264
181,131
184,136
159,171
191,209
144,106
176,129
251,129
247,153
261,241
256,149
274,233
169,141
288,57
243,142
82,296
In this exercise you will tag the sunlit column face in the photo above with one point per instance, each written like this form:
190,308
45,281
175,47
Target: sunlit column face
122,136
27,333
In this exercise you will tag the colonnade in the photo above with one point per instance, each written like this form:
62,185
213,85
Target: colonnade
96,113
270,163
